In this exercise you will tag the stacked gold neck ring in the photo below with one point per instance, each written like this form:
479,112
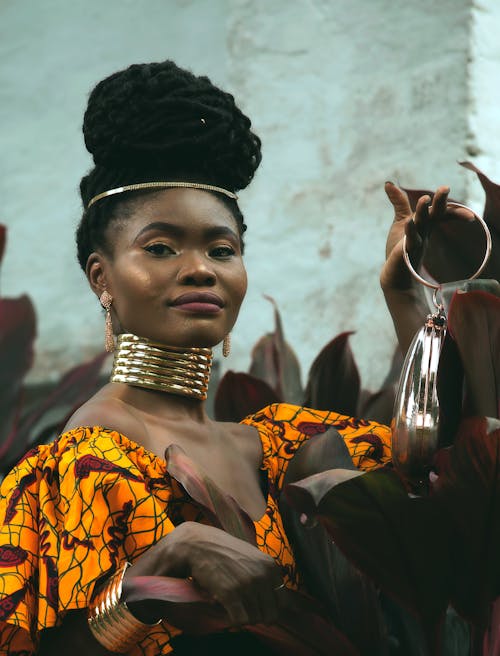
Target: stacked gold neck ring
143,363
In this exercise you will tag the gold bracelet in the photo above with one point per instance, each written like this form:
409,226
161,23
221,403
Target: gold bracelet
111,622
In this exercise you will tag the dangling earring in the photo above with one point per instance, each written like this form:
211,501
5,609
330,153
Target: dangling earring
226,346
106,301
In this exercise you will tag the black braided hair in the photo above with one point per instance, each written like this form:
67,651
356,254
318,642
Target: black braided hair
154,122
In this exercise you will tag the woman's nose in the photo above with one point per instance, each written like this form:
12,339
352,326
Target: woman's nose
195,269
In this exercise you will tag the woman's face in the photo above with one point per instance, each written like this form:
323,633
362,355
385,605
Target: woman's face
175,271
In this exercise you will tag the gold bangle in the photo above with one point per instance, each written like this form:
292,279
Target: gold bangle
111,622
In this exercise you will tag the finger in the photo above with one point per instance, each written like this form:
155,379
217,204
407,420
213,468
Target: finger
413,241
399,200
421,218
237,611
439,202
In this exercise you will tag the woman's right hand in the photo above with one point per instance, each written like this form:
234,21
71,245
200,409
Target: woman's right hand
234,573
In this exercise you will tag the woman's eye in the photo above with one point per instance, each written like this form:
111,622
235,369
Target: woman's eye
159,249
222,251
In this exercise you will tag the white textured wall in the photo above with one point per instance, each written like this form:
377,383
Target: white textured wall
344,93
484,107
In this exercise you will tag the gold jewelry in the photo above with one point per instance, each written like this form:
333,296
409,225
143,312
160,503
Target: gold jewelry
143,363
161,185
109,341
111,622
226,346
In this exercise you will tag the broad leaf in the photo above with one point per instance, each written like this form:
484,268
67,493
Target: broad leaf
239,395
3,239
467,492
334,381
48,418
221,508
17,334
349,597
397,540
474,323
274,362
301,629
492,190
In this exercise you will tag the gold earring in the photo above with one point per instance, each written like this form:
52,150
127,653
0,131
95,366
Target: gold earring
109,341
226,346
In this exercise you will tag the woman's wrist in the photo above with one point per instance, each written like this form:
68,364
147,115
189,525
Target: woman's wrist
110,620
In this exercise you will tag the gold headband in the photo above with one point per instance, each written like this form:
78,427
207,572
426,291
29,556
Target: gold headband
161,185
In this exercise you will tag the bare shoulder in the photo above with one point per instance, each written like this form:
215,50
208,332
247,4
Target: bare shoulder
108,412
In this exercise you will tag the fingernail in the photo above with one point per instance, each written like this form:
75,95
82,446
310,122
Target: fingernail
389,182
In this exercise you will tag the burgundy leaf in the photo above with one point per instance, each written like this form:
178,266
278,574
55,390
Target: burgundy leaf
400,542
334,381
350,598
474,323
3,239
221,508
239,395
274,362
74,388
492,191
17,334
467,490
301,629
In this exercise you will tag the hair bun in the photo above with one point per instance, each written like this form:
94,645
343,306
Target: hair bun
159,119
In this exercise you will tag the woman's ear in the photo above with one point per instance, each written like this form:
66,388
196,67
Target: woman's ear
96,272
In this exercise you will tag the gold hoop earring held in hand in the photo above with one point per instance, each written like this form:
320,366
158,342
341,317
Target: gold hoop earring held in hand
106,301
415,426
226,346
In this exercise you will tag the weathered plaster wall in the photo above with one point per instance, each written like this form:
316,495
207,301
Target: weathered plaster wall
484,106
344,93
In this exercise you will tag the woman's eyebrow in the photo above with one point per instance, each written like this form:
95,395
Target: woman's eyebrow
162,226
179,231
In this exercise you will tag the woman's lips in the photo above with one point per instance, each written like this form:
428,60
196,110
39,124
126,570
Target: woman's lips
199,303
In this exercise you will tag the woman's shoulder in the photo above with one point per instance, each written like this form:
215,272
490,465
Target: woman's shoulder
105,411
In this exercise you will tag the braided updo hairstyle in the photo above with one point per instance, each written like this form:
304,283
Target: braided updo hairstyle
159,122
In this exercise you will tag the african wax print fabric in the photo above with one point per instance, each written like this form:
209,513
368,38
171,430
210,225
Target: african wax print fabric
73,511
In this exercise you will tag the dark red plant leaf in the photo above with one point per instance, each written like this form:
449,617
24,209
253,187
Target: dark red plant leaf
222,509
350,598
334,381
491,645
17,334
3,239
74,388
474,323
492,191
399,541
275,362
467,491
301,629
239,395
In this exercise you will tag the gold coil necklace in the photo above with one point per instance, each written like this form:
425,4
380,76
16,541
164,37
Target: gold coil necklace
142,363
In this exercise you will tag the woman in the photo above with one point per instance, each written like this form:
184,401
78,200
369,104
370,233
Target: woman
161,243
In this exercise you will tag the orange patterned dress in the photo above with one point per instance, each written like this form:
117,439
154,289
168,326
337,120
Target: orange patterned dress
73,510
